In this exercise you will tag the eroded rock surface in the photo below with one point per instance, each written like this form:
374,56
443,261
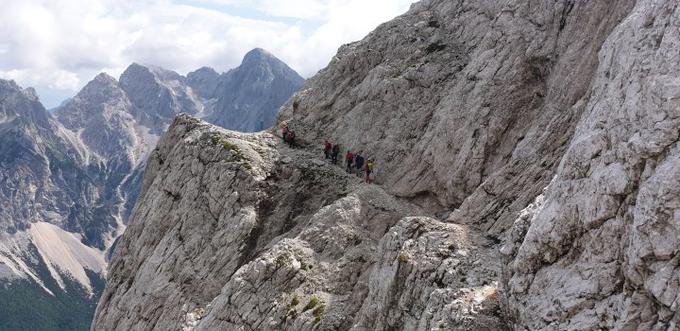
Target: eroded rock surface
599,249
470,102
236,231
552,127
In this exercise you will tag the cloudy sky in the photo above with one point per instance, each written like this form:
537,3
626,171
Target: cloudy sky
57,46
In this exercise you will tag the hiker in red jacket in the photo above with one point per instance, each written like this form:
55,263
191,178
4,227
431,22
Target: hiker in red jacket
327,149
349,157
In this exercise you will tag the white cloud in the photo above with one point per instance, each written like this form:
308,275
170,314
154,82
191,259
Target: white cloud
62,44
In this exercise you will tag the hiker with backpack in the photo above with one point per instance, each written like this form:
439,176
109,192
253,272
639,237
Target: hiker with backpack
369,171
291,138
334,153
349,157
327,149
284,133
358,163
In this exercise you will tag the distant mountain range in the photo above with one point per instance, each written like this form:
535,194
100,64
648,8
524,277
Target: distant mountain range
69,179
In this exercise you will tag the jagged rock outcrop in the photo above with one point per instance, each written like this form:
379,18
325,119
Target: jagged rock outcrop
235,231
68,182
246,98
599,248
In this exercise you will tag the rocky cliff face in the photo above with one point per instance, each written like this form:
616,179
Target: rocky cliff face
47,228
527,161
599,248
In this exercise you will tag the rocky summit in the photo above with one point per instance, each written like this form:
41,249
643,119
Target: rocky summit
527,178
248,97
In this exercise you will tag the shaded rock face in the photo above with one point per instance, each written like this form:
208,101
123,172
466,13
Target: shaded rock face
235,231
36,162
247,98
48,219
204,82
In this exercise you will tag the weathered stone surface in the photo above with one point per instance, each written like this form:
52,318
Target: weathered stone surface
550,125
227,236
469,102
598,250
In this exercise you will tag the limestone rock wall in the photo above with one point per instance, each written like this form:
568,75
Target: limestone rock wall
598,250
470,102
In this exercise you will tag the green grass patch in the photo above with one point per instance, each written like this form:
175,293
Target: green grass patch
312,303
318,312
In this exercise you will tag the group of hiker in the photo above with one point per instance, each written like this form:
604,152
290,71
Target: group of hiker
355,163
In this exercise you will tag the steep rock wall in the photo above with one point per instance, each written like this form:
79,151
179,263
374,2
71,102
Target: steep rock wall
599,249
471,102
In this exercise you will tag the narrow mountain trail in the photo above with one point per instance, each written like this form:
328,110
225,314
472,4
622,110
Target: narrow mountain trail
466,280
241,231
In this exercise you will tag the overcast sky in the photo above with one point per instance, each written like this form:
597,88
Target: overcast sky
57,46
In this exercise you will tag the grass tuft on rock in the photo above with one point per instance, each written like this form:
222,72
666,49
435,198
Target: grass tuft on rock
312,303
318,312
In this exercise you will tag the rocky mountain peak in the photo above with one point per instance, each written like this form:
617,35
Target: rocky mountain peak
258,55
103,88
23,104
261,62
136,71
204,82
104,79
158,95
250,95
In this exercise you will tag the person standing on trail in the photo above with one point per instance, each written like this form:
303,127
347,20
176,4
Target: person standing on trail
284,133
334,153
327,149
291,138
349,157
359,163
369,171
